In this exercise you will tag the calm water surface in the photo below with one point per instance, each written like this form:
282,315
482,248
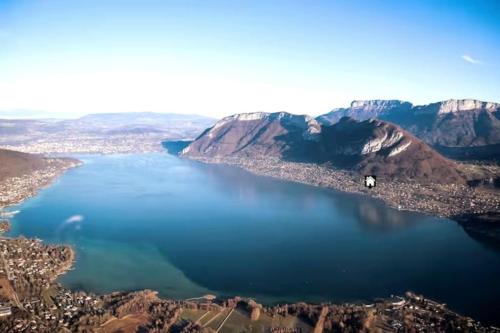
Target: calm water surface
185,229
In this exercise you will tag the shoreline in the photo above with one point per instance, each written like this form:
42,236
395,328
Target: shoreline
452,201
44,179
120,307
461,204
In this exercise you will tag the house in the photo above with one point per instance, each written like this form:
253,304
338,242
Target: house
370,181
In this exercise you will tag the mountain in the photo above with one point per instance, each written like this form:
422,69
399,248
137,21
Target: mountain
16,164
278,134
368,147
384,149
462,129
457,123
362,110
137,122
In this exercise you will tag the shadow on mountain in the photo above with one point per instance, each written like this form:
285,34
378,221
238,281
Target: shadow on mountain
297,149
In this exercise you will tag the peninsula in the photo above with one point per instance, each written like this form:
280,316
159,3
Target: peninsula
22,175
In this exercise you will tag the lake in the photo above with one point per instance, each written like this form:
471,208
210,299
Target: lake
186,229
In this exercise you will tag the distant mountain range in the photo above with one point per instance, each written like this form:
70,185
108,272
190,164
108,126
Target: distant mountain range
100,133
369,147
461,129
110,123
138,122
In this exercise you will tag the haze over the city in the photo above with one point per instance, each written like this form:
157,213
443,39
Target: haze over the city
67,58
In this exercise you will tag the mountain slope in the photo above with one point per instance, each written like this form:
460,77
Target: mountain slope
384,149
16,164
454,127
369,147
268,134
457,123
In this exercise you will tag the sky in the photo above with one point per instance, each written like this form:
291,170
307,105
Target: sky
216,58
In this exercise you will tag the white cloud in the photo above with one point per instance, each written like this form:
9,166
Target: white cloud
470,59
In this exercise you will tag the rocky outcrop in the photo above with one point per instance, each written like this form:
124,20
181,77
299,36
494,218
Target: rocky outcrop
369,147
457,105
457,128
365,109
384,149
456,123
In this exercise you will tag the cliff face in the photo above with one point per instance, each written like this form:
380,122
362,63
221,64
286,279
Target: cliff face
386,150
457,123
362,110
455,127
457,105
369,147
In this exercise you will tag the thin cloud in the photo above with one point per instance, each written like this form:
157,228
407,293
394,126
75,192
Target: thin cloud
74,219
470,59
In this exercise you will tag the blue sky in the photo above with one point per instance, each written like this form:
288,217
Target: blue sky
223,57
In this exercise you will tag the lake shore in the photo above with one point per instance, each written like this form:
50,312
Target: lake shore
57,308
15,190
38,303
454,201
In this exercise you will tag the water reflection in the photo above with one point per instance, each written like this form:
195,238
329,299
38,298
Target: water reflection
371,213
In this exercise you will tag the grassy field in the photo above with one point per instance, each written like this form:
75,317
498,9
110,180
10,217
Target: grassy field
239,321
127,324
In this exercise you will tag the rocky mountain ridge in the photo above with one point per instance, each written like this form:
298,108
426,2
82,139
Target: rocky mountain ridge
276,134
384,149
370,146
458,105
456,128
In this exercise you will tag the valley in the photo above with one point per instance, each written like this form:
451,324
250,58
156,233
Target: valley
34,300
99,133
411,175
44,289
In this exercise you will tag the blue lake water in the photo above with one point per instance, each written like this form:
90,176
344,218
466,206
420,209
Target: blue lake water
185,229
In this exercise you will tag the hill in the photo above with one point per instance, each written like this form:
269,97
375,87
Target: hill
16,164
22,175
